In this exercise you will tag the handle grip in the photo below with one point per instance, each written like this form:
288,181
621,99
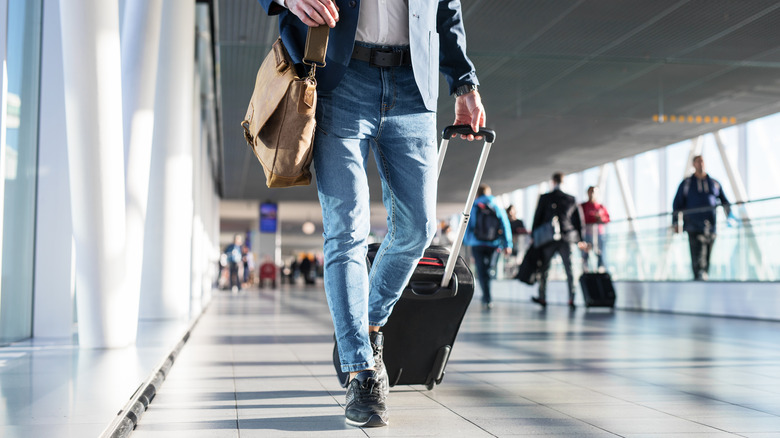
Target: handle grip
451,130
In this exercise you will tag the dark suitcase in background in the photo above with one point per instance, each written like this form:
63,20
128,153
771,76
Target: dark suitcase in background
597,290
419,334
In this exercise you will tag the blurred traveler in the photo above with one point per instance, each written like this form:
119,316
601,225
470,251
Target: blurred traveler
307,269
558,212
233,253
488,232
696,200
596,216
248,261
517,226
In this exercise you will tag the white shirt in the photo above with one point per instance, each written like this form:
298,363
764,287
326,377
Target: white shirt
384,22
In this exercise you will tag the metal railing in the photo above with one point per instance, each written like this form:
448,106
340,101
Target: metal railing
747,247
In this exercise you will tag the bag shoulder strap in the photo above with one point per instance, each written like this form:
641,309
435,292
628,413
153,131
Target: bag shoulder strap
316,46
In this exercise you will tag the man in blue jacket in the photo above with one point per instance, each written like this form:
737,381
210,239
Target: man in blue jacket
696,198
487,239
378,91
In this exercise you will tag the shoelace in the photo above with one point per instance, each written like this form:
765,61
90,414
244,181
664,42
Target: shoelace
370,391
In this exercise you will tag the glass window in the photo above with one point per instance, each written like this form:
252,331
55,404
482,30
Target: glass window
612,197
21,156
590,177
763,157
677,165
647,183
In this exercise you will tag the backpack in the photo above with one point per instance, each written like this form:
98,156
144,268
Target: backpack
233,254
488,226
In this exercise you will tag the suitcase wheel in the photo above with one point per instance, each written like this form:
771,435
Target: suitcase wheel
437,372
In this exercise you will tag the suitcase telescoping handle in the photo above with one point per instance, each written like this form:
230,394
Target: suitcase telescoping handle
489,136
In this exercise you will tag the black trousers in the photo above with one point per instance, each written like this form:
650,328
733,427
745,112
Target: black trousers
234,280
484,257
548,251
701,250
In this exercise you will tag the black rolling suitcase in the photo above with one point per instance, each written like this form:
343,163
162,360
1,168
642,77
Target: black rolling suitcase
597,288
421,331
425,320
419,334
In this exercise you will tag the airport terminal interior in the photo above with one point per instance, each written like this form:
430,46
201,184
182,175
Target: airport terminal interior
125,178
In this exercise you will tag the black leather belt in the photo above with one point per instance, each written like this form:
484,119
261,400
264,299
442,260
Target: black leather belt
382,57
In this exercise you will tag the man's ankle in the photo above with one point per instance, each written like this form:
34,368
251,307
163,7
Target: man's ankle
352,374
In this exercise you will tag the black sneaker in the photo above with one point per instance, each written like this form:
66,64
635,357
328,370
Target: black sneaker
539,301
365,405
377,345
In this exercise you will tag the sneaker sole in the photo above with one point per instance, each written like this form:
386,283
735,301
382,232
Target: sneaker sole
373,421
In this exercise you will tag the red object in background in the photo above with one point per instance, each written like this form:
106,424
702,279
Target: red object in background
268,272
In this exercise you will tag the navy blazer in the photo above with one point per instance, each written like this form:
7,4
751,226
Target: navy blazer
437,42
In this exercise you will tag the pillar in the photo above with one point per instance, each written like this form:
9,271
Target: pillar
3,111
165,291
92,77
54,285
140,43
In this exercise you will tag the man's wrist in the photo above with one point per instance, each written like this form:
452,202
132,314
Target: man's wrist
465,89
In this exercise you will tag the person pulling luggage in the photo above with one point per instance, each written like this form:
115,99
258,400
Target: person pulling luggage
378,91
488,233
559,213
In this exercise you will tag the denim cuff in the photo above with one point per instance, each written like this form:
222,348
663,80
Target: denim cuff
348,368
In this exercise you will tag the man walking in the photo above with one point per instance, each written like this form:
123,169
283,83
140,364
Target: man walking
559,211
696,200
378,92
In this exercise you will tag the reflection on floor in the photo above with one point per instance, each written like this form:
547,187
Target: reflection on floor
258,364
51,388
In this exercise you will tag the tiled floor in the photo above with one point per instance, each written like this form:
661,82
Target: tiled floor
258,364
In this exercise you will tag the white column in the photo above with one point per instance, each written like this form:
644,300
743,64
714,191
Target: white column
165,291
742,155
52,314
93,100
628,202
140,44
196,257
3,111
663,199
625,192
735,179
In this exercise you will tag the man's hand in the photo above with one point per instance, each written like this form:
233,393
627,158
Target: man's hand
469,111
314,13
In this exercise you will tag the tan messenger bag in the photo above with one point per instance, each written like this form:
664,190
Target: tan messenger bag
279,123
